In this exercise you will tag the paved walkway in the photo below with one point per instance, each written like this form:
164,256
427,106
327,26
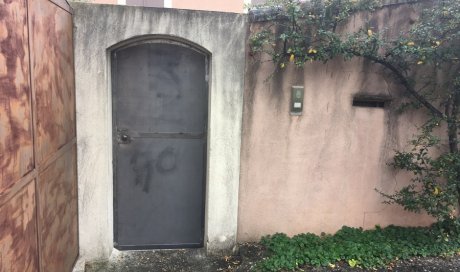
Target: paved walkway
182,260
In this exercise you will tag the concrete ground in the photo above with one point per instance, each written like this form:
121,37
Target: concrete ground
180,260
195,260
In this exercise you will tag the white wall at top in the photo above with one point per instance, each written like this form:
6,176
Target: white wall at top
168,3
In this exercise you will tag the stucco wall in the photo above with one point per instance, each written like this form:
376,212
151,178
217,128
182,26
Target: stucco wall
318,171
99,27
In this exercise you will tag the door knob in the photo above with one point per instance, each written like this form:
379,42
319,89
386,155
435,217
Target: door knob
123,137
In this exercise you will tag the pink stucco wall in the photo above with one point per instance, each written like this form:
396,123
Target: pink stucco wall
318,171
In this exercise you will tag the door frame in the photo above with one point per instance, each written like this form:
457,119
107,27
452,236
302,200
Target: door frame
113,110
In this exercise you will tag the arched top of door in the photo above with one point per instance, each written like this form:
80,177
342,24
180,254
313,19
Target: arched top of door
155,38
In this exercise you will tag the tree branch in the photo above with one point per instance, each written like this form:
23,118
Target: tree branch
403,80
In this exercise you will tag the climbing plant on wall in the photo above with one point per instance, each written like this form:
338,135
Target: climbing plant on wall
299,32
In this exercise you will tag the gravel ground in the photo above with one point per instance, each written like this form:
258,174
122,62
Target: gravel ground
195,260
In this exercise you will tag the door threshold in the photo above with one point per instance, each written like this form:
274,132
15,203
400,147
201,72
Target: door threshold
158,247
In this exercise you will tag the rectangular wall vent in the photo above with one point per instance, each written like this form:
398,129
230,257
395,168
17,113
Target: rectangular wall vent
370,101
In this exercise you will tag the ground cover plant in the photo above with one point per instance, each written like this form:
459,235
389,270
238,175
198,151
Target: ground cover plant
367,249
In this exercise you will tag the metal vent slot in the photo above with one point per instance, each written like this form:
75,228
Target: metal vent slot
370,101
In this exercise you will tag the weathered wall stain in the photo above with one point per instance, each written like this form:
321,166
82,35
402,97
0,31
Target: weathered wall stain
51,30
18,241
58,213
45,183
16,155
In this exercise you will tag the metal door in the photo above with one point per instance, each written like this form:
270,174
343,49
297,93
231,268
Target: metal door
160,98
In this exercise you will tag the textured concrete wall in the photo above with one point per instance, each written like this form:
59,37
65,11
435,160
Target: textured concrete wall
317,172
99,27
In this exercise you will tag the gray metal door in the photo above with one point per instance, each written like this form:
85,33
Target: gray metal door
160,100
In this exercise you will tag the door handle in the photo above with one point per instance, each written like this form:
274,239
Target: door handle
123,137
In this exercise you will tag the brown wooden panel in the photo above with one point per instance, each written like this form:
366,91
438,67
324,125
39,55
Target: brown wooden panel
18,240
57,195
52,76
16,153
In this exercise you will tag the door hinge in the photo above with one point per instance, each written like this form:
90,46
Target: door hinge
206,65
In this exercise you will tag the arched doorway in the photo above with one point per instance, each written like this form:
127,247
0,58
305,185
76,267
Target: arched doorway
160,107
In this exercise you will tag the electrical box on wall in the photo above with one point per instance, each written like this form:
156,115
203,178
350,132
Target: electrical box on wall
296,100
